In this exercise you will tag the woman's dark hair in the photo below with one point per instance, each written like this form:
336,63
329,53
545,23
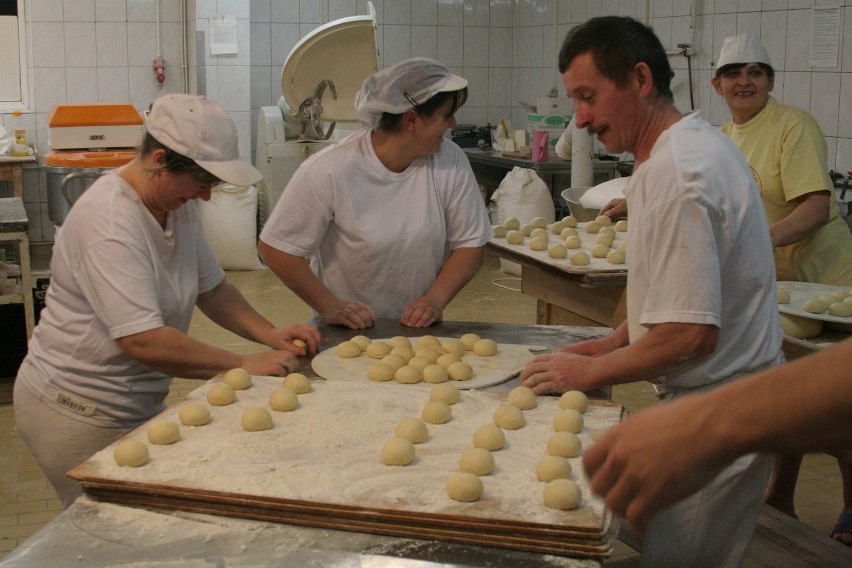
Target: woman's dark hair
391,122
178,163
617,44
732,66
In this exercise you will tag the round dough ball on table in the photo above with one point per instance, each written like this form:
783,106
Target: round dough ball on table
256,419
283,400
448,359
194,414
600,251
397,451
427,351
412,429
239,379
538,243
564,444
592,227
553,467
485,348
616,257
399,341
562,494
782,296
221,394
539,222
840,309
489,437
515,238
499,231
378,349
460,371
540,233
408,375
839,295
300,343
569,232
420,362
603,220
477,461
558,227
512,223
435,373
527,229
468,340
163,433
604,239
574,399
436,412
406,352
522,397
623,247
570,221
509,417
848,300
445,393
298,383
464,487
429,340
568,420
827,299
557,251
608,231
573,242
621,226
348,350
394,360
381,372
361,341
799,327
453,346
815,306
580,259
131,453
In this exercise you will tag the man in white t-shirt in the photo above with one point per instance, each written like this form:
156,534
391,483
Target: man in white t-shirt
701,306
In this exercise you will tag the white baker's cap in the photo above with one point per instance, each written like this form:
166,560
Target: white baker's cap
743,48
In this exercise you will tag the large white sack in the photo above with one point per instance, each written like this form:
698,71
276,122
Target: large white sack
230,222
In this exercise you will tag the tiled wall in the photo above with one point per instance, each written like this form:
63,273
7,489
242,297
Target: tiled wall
85,50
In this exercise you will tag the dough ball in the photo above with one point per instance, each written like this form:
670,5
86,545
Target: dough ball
603,220
840,309
348,350
616,257
361,341
435,373
815,306
468,340
163,432
429,352
515,238
539,222
448,359
621,226
574,399
623,247
512,223
557,251
508,417
420,362
604,239
464,487
413,430
799,327
499,231
406,353
562,494
460,371
399,341
398,451
408,375
540,233
568,420
538,243
378,349
283,400
600,251
782,296
527,229
427,340
608,231
239,379
453,346
489,437
221,394
131,453
553,467
570,221
592,227
564,444
580,259
436,412
394,360
573,242
558,227
194,414
569,232
522,397
256,419
848,300
477,461
300,343
380,372
485,348
827,299
445,393
297,382
839,295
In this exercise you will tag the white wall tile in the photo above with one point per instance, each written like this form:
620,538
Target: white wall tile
797,89
111,10
475,46
843,161
661,9
724,25
398,12
748,22
309,12
143,37
798,4
424,12
283,38
397,44
798,40
340,9
543,13
286,11
825,100
500,87
243,120
236,8
142,88
476,13
261,44
45,10
451,13
261,87
49,48
142,11
748,5
234,93
778,90
501,14
259,11
477,86
500,47
49,87
111,44
243,55
113,84
773,36
767,5
845,110
450,38
424,41
725,6
81,84
846,40
78,10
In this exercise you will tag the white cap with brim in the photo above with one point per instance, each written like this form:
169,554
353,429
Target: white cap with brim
742,49
203,131
399,87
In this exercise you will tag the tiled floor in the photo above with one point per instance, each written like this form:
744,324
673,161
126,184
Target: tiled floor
27,502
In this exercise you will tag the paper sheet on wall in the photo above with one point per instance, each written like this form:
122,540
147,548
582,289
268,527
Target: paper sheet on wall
223,35
825,37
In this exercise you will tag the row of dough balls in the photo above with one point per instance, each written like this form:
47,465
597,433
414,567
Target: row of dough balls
569,239
134,453
569,222
837,303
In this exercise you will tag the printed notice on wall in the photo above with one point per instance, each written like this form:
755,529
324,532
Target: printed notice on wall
223,35
825,36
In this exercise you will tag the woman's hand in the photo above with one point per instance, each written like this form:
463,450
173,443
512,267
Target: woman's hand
353,315
421,313
271,363
282,338
615,209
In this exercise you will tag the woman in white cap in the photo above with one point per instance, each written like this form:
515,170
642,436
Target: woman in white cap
787,153
377,210
129,265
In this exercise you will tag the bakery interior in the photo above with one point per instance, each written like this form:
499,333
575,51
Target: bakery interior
260,60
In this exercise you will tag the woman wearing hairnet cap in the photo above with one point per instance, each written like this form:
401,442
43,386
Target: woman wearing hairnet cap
377,211
787,153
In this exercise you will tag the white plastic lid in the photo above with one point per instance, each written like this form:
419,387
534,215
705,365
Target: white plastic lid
342,51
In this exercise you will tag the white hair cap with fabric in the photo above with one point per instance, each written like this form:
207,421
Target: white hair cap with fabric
743,48
402,87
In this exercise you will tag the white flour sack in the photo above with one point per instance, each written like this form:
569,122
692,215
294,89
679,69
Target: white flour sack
230,222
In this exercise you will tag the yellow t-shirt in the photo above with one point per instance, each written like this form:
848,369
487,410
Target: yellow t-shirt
787,153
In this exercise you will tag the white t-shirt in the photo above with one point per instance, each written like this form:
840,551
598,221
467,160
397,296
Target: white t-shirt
377,236
699,251
115,272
